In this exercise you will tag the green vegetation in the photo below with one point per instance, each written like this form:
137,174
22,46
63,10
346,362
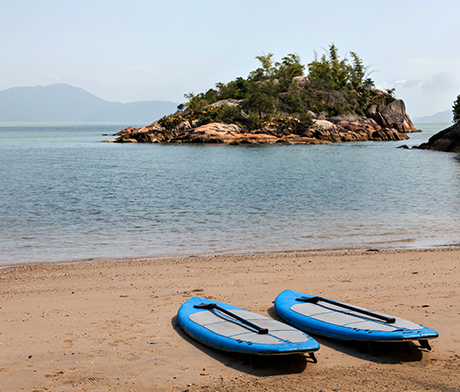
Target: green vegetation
456,110
278,95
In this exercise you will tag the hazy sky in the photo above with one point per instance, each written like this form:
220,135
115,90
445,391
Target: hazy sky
135,50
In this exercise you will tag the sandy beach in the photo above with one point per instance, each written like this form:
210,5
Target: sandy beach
109,325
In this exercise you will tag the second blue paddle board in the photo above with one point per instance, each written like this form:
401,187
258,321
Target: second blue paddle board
339,320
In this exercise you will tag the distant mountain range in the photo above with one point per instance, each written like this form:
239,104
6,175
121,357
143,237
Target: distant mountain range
445,116
61,103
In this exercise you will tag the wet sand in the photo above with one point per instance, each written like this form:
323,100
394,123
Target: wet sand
109,325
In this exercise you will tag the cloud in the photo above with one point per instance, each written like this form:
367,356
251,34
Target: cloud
407,84
426,96
441,81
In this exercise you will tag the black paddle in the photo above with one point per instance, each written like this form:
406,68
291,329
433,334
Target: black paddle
211,305
388,320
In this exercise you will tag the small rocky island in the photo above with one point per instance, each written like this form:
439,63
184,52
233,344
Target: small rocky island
277,103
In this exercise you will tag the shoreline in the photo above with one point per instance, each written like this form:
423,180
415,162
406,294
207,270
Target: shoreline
109,324
336,249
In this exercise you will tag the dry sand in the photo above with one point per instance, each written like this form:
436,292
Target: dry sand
109,325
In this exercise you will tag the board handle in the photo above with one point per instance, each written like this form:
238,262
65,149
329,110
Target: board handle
212,305
388,320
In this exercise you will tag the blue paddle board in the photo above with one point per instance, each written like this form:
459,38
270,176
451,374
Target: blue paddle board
339,320
232,329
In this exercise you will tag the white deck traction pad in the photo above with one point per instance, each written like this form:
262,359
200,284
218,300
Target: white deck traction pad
337,315
224,325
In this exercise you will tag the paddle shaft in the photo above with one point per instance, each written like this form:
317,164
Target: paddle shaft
212,305
388,320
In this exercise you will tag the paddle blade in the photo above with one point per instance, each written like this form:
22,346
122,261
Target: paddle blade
202,305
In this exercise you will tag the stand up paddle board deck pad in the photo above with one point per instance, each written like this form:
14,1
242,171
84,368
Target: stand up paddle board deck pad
340,320
232,329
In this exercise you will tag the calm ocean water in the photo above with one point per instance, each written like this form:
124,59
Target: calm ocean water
66,195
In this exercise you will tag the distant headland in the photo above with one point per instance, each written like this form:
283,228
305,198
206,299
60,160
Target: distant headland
336,102
448,139
62,103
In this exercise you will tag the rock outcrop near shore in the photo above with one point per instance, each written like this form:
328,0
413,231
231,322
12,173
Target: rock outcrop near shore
391,123
446,140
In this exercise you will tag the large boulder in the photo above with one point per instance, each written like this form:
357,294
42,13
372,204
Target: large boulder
446,140
394,114
323,125
301,80
391,114
355,126
407,125
212,133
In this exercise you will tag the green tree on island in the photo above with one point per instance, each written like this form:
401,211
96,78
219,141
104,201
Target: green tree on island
278,94
456,110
